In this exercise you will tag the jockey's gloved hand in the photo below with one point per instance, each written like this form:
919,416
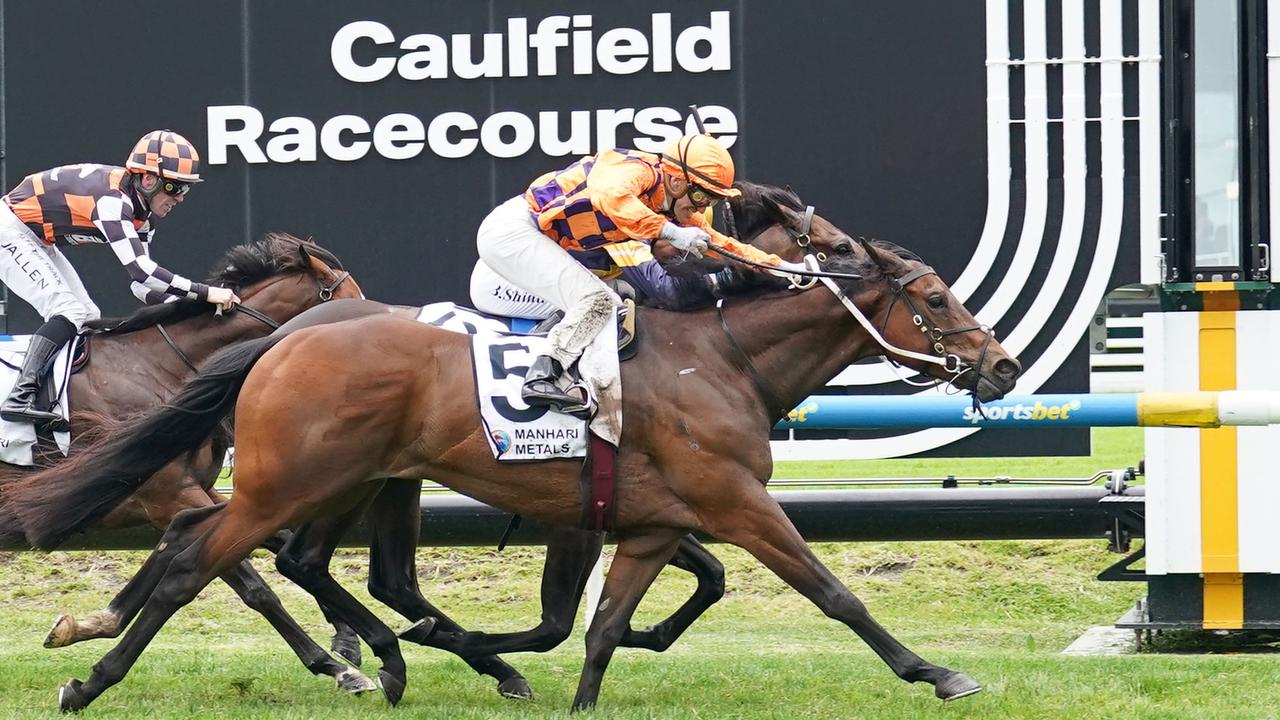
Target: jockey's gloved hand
692,240
224,298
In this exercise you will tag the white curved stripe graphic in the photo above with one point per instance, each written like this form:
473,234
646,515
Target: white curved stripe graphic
1036,169
1073,186
998,169
1094,289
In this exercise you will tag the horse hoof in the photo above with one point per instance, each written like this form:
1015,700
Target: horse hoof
347,648
955,686
421,631
63,632
392,687
353,681
70,699
515,688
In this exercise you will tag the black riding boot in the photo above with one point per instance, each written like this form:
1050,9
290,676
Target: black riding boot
22,403
541,388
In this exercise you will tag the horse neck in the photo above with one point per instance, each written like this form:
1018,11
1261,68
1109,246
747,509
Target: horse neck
798,342
279,298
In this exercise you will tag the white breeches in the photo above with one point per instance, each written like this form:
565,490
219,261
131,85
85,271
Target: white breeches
513,246
40,273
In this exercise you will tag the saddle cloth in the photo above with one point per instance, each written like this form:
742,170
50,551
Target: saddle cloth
501,357
18,440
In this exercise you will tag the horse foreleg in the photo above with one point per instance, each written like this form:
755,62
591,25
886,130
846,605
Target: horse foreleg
637,561
759,526
305,561
695,559
571,554
395,518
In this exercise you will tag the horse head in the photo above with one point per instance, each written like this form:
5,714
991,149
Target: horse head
776,220
283,275
922,323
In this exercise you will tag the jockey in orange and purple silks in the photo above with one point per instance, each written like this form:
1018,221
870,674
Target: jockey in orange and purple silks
629,267
614,196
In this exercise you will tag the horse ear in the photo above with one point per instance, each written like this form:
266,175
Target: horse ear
306,256
873,253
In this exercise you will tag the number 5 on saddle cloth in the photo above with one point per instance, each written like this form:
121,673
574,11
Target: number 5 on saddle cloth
503,348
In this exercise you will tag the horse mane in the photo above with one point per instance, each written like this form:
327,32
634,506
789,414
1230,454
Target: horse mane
755,210
238,268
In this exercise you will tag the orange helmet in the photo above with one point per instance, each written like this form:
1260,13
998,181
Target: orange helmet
704,162
167,154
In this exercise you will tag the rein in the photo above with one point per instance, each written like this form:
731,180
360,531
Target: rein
326,294
949,362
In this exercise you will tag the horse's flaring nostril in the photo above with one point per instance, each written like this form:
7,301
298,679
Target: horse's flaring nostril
1008,368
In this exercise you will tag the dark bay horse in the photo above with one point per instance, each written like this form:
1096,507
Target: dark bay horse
141,361
394,521
328,413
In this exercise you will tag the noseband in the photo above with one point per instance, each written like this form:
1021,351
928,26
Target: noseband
951,362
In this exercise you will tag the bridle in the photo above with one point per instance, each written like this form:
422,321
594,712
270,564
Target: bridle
325,294
949,362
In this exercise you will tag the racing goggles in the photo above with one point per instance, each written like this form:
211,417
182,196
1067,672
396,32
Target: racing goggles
700,197
174,187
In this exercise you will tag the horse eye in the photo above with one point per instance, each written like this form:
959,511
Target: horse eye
844,248
937,302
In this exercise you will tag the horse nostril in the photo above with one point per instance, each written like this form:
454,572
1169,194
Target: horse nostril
1008,368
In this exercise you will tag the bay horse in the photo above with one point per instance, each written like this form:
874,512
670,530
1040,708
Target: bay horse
328,413
141,361
394,520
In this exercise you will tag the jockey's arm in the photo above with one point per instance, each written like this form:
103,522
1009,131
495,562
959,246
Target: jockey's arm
721,241
111,215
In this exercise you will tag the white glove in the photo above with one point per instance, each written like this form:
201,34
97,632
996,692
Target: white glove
693,240
224,298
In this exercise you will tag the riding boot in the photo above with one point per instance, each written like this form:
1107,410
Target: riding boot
541,386
22,405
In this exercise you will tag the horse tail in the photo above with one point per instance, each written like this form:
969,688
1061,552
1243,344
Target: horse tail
53,504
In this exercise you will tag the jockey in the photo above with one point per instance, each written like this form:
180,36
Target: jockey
615,196
87,203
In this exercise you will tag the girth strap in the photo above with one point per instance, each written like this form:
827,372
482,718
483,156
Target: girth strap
597,485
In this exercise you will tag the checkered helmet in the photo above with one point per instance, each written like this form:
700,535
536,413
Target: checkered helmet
167,154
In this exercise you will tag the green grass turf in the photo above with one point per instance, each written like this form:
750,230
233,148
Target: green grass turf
1000,611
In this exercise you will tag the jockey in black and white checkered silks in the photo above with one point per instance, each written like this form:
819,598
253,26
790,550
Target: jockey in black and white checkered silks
90,203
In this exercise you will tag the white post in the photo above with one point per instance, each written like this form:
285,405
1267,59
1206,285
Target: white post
595,588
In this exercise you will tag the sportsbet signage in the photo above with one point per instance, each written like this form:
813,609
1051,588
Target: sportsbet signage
368,51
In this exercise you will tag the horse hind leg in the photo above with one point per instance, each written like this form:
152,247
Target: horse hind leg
570,556
345,643
395,519
109,622
692,557
305,561
204,549
254,591
759,526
